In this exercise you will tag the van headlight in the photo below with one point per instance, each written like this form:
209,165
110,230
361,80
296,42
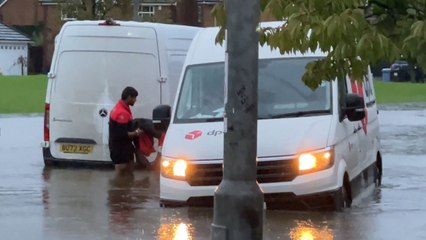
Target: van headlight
315,161
174,168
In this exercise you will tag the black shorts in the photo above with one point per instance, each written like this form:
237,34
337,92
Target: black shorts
121,156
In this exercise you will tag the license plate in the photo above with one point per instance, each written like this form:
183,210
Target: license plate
76,148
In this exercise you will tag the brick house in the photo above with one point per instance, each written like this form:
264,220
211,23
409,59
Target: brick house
42,19
37,19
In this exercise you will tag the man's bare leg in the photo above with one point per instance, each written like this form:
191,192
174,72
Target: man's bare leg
121,169
130,166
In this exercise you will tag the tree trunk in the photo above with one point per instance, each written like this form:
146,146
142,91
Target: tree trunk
187,12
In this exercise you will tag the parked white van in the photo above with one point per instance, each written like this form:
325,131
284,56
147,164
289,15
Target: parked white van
316,149
92,63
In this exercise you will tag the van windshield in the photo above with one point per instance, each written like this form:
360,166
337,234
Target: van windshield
281,92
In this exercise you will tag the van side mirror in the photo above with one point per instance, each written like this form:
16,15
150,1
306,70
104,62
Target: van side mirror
161,117
354,107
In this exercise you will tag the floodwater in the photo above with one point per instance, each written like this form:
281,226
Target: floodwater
44,203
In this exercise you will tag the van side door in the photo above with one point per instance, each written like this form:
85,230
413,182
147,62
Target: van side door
368,135
349,131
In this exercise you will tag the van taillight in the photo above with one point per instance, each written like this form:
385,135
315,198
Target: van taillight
46,122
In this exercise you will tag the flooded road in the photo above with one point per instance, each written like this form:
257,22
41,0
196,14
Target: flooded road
40,203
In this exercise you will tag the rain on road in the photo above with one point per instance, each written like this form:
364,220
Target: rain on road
54,203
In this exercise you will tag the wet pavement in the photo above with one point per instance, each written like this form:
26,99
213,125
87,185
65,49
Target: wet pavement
39,203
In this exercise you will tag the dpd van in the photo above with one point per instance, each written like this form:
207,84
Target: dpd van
92,63
316,149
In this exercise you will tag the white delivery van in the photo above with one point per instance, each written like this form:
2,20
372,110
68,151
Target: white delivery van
316,149
92,63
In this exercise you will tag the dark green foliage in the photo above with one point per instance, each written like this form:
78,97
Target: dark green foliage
354,33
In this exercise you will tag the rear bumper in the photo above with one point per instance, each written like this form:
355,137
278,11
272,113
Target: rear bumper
49,160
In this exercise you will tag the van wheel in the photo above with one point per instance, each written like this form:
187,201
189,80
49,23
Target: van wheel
378,171
342,198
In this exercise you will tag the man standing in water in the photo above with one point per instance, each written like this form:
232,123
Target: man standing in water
121,135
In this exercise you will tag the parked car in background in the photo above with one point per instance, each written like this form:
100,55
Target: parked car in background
401,70
420,75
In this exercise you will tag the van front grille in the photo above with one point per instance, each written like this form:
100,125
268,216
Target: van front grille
267,172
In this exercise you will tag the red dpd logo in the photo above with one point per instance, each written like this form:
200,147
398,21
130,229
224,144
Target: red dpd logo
193,135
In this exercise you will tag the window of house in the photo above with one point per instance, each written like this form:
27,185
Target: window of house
146,11
69,13
200,14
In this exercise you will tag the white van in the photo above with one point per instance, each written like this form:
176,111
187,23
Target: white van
316,149
92,63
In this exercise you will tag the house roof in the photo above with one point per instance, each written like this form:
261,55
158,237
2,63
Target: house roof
2,2
10,34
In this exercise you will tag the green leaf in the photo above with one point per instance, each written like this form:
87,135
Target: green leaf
262,37
263,4
418,28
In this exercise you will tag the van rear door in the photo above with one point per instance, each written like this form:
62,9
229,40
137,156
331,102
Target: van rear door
95,64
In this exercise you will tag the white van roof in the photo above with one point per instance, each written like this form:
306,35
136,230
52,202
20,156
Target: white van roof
205,50
163,31
160,26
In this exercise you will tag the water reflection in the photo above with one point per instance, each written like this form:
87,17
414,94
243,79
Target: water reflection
45,192
77,204
308,231
121,204
83,201
180,231
127,195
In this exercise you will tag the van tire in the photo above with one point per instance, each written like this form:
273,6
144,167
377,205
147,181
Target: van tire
339,199
342,198
378,171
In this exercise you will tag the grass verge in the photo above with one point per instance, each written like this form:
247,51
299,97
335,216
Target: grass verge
22,94
399,92
26,94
